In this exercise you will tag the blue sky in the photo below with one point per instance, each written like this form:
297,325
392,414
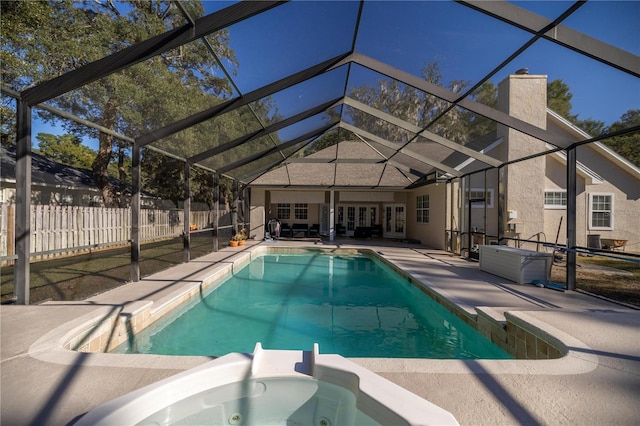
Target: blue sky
464,43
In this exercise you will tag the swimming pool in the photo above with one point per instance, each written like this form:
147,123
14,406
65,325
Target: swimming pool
352,305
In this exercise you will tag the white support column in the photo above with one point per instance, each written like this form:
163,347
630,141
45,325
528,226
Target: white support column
332,215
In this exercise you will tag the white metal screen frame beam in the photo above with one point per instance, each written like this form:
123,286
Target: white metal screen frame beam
442,167
560,34
145,49
423,133
452,97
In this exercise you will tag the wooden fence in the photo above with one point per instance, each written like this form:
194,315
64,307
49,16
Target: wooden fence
68,229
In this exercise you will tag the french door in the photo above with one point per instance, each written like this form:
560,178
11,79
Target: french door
354,216
394,221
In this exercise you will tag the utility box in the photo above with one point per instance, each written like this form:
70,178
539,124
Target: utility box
518,265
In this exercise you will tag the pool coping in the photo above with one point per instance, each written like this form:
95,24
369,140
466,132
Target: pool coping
105,326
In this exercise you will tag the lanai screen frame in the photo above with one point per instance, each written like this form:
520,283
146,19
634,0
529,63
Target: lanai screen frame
537,26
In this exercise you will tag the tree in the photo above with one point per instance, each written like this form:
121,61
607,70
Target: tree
412,105
46,39
591,126
627,145
66,149
329,139
559,99
478,126
7,121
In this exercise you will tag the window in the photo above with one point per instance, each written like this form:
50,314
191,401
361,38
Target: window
422,208
479,194
284,211
600,211
300,210
555,199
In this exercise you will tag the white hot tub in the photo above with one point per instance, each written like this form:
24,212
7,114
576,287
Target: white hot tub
271,387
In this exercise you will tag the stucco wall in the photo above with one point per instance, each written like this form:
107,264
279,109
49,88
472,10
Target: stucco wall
430,234
524,97
624,186
257,215
625,189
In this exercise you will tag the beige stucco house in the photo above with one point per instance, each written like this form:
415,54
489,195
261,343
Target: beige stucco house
526,200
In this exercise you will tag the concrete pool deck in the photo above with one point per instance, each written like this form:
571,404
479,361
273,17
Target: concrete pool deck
596,383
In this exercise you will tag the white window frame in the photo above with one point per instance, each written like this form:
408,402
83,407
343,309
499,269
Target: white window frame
479,205
555,206
283,211
591,211
422,205
301,211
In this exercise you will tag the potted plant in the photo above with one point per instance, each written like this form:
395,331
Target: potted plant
239,238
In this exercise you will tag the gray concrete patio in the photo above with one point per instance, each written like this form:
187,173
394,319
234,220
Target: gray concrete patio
597,383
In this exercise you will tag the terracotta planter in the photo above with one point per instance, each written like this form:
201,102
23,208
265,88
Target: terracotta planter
233,243
241,242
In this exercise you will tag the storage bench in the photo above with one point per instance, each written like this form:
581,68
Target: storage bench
518,265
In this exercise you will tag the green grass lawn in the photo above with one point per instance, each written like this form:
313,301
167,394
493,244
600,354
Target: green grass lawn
82,276
622,288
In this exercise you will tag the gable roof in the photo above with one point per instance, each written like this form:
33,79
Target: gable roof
45,172
578,134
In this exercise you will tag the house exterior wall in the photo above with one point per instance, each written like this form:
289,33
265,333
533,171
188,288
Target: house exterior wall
555,218
431,234
526,182
524,97
625,191
263,197
257,213
523,184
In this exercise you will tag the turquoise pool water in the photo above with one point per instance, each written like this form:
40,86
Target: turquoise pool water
354,306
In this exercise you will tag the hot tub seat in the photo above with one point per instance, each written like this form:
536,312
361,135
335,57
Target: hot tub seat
284,386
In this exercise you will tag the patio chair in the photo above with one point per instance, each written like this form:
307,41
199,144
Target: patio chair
362,232
285,230
300,228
